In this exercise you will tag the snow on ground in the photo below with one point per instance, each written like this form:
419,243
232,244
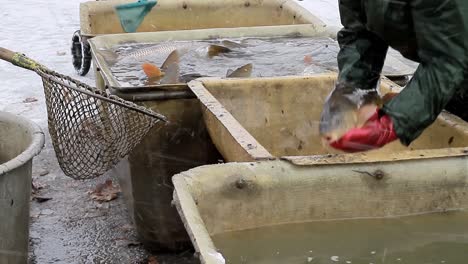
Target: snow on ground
326,10
41,29
70,228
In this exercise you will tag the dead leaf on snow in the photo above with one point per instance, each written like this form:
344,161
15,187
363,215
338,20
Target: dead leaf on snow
126,228
104,192
152,260
47,212
35,215
133,244
41,199
29,100
36,186
43,173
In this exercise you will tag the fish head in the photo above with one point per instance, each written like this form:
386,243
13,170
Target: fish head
346,108
334,126
342,122
339,114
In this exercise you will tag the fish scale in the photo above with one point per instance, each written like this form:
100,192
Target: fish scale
162,49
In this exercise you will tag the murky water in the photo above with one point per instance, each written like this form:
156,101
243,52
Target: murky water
270,57
428,239
3,160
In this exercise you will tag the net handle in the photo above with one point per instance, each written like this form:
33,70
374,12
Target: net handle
18,59
6,54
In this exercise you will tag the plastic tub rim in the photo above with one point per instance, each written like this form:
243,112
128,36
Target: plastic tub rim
34,148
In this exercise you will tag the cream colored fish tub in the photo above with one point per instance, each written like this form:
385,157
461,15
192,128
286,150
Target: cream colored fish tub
216,199
99,17
267,118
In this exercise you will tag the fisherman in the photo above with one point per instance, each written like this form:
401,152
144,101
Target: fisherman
433,33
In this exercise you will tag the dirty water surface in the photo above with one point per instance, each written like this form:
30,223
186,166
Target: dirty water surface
424,239
270,57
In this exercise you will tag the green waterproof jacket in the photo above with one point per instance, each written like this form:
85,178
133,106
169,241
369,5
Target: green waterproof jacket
431,32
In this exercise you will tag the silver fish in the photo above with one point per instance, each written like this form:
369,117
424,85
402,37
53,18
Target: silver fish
345,108
163,50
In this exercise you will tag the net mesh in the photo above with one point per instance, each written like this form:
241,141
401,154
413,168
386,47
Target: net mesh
90,129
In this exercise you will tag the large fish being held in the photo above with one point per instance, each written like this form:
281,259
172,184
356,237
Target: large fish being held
346,108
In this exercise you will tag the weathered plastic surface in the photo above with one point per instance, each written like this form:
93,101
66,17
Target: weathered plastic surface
145,175
99,17
20,141
236,196
255,119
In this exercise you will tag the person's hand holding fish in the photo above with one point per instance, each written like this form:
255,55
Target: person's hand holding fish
353,122
375,133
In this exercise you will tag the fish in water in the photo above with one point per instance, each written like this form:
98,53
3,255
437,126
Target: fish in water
308,59
165,49
346,108
151,70
241,72
211,50
169,73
